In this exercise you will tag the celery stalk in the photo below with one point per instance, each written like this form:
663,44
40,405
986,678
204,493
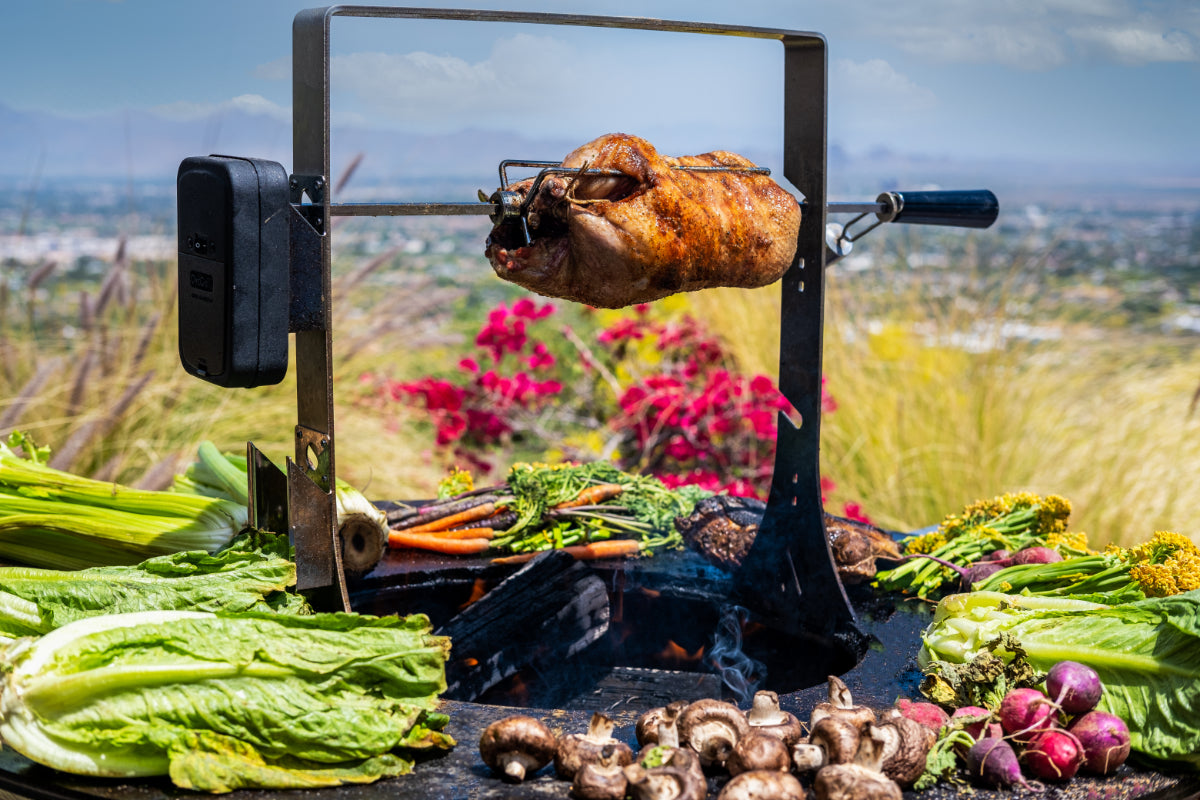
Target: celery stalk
51,518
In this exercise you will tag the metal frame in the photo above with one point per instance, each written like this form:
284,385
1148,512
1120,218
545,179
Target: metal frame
789,577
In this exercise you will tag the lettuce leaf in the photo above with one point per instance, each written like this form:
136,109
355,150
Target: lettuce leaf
224,701
1147,654
250,575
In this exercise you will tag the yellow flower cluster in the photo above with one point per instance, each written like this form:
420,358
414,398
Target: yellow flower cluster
1167,564
1069,540
1053,512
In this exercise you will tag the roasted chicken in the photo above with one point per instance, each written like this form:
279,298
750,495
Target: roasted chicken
647,231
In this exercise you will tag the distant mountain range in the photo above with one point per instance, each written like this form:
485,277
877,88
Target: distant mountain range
140,145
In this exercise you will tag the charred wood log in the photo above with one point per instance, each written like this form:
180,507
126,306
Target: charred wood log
549,611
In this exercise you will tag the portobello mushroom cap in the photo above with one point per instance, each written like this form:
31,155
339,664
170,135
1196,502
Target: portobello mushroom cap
576,749
807,757
517,746
603,780
837,738
712,728
841,704
664,783
756,751
765,716
904,745
860,779
763,784
664,755
649,725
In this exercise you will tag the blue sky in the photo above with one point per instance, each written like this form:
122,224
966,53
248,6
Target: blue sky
1099,81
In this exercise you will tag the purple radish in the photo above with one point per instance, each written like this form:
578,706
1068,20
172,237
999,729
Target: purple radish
1024,711
1000,555
980,570
993,762
1053,755
1104,738
1075,687
1036,555
979,719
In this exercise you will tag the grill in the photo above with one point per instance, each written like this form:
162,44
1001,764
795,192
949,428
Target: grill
247,289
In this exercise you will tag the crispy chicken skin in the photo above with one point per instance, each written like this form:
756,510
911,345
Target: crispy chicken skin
653,231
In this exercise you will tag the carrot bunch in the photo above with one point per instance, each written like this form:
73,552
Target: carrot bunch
590,510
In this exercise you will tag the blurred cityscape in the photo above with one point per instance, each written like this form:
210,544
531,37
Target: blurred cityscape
1125,258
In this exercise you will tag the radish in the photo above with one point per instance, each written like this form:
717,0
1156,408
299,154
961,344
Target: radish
930,715
1024,711
1036,555
1074,686
1104,738
980,570
1054,755
994,763
975,720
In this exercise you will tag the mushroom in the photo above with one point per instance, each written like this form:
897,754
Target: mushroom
766,716
859,779
576,749
807,757
668,753
603,780
758,751
517,746
905,743
841,704
763,784
837,738
664,783
650,723
712,728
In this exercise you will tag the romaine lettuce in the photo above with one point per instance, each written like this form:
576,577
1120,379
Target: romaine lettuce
1147,654
226,701
250,575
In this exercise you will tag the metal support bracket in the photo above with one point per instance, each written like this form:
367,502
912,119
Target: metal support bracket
789,577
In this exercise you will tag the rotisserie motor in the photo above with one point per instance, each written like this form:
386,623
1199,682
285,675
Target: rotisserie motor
651,231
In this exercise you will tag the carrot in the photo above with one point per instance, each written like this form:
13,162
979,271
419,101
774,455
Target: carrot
462,533
473,514
592,495
438,544
609,548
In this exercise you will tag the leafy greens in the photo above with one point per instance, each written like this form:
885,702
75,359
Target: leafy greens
1147,654
227,701
252,574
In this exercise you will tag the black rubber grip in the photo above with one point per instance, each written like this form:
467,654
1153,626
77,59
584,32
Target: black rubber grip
975,208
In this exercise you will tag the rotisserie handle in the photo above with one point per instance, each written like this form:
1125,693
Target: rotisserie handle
975,208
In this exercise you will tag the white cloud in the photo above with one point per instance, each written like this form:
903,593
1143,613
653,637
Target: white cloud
1037,34
401,85
278,70
877,84
1136,45
248,103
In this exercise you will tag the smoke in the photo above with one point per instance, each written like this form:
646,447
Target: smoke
741,673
